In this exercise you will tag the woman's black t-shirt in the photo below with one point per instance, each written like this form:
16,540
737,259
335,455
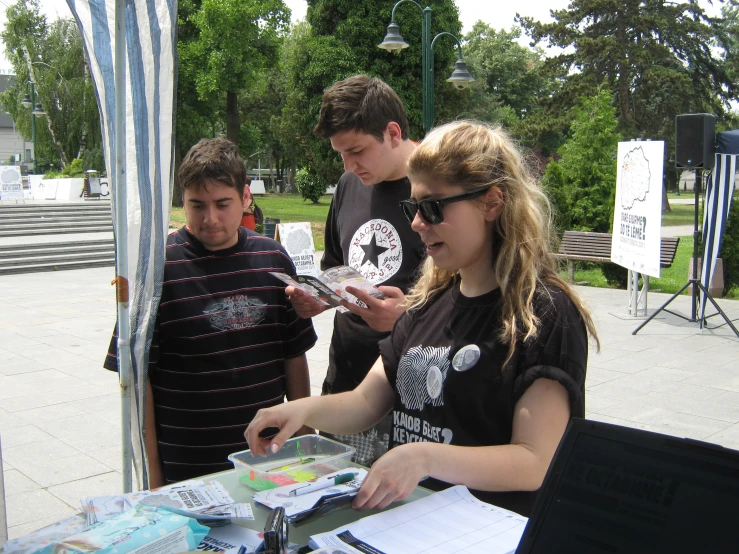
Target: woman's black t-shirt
435,402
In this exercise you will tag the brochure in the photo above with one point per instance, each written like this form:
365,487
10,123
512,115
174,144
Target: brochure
205,501
329,287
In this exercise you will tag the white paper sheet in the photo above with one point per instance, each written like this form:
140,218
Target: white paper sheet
448,521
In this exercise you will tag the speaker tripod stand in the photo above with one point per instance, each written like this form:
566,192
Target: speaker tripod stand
694,281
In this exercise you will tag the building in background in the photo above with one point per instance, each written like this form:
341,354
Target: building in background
12,144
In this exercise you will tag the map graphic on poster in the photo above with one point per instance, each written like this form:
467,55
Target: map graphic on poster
637,217
297,238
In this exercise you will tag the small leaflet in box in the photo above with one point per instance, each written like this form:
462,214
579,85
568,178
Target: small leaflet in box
297,239
329,287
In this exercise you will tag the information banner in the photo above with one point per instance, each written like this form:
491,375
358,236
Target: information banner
297,238
10,183
637,218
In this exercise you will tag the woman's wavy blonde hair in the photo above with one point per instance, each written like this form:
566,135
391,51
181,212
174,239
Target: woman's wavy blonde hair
475,156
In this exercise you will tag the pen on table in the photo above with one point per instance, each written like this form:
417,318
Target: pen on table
242,550
324,484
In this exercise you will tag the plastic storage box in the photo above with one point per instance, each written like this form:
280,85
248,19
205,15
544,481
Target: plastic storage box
300,459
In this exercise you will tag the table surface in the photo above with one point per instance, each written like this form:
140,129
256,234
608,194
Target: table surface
299,534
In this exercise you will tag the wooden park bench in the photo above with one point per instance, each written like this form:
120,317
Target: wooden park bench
596,247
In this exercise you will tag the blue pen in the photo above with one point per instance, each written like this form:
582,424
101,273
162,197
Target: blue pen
242,550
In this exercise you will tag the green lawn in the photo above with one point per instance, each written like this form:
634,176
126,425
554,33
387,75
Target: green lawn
680,214
288,208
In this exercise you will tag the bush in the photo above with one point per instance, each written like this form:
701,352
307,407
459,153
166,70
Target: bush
730,249
616,275
311,186
74,169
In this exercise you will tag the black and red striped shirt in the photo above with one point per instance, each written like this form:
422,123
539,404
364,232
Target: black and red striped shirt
224,329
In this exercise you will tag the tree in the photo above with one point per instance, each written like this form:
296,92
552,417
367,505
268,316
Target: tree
52,57
508,76
729,40
342,41
582,183
229,42
655,56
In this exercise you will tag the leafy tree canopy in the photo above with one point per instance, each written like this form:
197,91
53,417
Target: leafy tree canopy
51,55
225,45
582,184
655,56
508,76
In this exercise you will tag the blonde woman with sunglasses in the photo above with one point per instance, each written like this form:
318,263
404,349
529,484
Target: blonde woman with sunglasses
487,365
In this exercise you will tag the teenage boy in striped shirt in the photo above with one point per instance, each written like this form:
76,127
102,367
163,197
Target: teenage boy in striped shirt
227,341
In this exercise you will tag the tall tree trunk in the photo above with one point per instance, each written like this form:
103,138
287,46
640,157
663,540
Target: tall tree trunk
232,117
623,74
83,136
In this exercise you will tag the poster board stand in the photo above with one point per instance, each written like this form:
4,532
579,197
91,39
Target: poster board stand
11,185
297,239
637,218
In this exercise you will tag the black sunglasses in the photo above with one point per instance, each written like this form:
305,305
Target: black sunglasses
432,210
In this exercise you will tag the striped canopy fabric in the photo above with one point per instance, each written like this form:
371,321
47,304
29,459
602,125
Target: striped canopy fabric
719,191
150,68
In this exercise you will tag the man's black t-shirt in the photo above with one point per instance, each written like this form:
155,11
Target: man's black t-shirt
367,230
474,407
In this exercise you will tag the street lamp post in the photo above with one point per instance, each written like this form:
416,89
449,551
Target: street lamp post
393,42
36,110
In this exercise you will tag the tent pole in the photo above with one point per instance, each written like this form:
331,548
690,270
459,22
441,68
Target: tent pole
121,238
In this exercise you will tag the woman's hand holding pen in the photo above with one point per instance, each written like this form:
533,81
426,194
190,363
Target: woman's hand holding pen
393,477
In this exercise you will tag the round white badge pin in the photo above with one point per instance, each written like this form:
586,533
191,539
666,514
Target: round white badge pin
433,382
466,357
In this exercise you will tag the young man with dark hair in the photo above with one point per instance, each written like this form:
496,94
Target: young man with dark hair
366,123
227,342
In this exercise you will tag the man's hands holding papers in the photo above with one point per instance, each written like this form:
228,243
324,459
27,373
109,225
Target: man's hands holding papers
393,477
305,305
380,314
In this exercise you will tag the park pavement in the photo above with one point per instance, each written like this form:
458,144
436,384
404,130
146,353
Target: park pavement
60,411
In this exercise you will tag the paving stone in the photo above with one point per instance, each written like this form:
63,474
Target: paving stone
104,484
33,505
48,473
17,483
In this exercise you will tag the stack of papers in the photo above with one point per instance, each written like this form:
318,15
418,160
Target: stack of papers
448,521
298,506
205,501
